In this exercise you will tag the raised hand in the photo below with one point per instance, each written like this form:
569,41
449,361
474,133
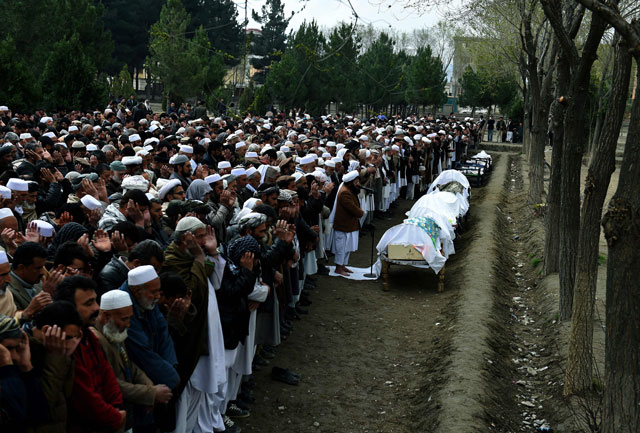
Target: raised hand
118,242
328,187
247,261
83,241
101,241
210,242
189,242
134,212
47,175
38,302
89,188
102,191
50,283
32,234
227,199
64,219
94,216
53,339
24,354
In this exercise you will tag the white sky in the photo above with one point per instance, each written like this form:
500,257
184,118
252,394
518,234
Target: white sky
328,13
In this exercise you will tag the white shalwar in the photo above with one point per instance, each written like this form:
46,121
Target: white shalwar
344,243
241,365
209,379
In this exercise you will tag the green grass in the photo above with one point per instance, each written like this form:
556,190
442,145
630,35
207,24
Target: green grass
602,259
535,262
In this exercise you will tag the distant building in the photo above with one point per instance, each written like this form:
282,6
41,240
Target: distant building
461,59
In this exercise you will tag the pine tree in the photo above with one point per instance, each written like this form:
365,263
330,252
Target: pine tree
122,84
272,42
426,79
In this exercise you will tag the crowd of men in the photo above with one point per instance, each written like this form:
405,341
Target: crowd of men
150,262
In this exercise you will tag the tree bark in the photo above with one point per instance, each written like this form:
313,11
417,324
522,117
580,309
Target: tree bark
574,141
621,226
578,375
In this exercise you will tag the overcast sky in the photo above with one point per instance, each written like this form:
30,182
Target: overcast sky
330,12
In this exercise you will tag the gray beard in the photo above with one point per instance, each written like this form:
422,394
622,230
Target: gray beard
111,333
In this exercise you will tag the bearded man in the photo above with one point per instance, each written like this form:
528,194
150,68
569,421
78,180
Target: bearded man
149,344
116,310
345,218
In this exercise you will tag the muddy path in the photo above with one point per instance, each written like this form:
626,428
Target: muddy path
371,361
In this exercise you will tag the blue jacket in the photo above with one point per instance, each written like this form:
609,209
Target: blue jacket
150,346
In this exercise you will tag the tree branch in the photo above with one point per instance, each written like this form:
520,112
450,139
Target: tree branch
614,18
555,19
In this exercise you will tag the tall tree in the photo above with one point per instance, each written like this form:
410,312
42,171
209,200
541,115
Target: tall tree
381,72
70,80
343,45
219,19
472,87
19,90
578,375
622,230
426,79
168,58
122,84
129,24
580,64
270,45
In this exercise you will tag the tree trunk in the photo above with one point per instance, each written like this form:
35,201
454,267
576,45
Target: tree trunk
600,111
536,154
578,375
621,226
552,228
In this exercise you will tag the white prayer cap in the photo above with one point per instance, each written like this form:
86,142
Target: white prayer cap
132,160
314,156
181,130
142,152
114,300
267,126
441,132
240,144
238,172
212,178
326,155
140,275
341,153
135,182
297,176
150,141
178,159
92,147
364,137
190,224
251,155
16,184
46,119
224,164
148,147
97,128
49,134
340,146
25,136
251,171
5,192
3,258
90,203
350,176
285,149
306,160
4,108
168,187
288,143
186,149
336,160
6,213
46,229
395,147
152,128
134,137
78,144
330,163
73,128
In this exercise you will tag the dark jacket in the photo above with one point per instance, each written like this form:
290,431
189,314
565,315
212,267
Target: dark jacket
112,275
150,346
236,285
348,211
22,401
192,345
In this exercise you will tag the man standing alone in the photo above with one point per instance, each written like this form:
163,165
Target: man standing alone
345,217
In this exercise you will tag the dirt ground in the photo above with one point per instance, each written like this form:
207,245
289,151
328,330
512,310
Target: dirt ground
368,358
